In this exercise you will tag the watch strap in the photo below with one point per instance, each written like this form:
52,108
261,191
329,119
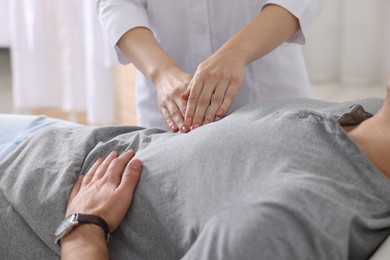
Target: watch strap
92,219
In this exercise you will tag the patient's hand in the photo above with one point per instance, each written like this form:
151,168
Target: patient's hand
107,189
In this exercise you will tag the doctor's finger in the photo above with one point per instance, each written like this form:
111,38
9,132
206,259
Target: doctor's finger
196,87
182,105
203,103
168,120
176,114
186,93
228,99
216,101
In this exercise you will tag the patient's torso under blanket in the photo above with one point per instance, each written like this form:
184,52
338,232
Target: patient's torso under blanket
277,179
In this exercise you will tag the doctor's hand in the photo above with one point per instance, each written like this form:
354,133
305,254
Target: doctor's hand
170,85
213,88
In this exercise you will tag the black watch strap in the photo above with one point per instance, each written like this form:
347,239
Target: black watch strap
92,219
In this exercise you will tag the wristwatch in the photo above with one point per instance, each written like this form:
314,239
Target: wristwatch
73,220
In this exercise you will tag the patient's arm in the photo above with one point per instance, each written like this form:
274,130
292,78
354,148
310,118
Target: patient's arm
105,191
84,242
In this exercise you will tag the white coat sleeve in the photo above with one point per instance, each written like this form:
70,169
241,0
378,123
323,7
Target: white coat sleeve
306,11
119,16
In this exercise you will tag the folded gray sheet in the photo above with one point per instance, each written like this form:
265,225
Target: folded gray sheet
278,179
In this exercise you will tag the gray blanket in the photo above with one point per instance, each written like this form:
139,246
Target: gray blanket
278,179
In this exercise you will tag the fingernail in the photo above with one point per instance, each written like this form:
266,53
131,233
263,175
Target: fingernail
99,160
136,165
189,121
184,129
220,112
130,151
196,125
205,122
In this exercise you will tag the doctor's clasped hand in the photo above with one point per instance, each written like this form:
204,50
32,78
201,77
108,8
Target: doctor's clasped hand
213,88
218,79
169,80
199,60
170,88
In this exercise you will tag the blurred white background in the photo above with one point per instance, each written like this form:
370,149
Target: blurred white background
55,55
350,42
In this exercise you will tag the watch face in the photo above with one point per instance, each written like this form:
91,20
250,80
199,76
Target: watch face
65,227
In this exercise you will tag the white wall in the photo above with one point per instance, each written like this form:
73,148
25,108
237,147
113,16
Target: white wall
350,43
4,24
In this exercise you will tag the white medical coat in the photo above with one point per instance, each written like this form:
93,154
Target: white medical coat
191,30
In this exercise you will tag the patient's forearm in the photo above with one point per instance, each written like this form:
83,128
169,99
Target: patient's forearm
271,27
86,241
140,46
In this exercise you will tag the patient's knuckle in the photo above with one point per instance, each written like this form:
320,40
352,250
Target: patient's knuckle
115,161
104,165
